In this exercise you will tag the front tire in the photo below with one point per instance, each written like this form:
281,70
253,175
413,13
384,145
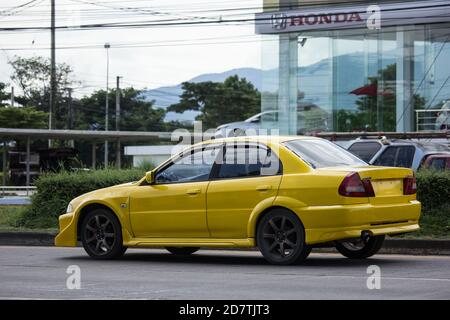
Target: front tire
101,235
182,251
281,238
358,249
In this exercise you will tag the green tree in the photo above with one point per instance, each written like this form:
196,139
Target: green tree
22,117
32,75
233,100
136,113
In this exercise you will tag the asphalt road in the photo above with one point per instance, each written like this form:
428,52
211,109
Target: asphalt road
40,273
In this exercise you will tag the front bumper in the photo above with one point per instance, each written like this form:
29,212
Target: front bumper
67,236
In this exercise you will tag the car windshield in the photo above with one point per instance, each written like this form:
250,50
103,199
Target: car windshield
322,153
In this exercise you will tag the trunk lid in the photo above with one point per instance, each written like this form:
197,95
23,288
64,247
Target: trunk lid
387,182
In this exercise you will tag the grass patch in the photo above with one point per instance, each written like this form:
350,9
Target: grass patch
11,216
434,224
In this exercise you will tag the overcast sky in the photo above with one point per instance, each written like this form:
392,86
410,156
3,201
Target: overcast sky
161,55
178,53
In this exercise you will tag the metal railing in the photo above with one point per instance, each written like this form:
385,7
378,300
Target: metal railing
426,119
17,191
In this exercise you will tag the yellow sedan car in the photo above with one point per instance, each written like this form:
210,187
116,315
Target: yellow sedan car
284,195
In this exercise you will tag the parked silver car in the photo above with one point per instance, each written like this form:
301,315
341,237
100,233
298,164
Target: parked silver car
312,117
252,125
395,153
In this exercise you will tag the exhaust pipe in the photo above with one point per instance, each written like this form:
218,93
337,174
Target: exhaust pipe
365,235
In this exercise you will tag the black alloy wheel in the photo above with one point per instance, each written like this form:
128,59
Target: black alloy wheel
281,238
360,249
101,235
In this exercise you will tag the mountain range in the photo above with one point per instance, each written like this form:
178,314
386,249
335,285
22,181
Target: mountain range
315,81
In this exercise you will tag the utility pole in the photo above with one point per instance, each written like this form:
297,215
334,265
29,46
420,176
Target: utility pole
70,114
69,109
117,103
107,46
52,72
118,147
12,96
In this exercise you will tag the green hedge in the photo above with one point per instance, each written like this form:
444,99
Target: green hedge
433,188
54,191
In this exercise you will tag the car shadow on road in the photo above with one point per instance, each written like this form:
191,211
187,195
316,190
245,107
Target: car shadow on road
240,259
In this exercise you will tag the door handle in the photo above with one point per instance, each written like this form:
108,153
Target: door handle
263,188
193,191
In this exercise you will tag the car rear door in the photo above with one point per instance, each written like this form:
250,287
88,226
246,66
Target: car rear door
248,175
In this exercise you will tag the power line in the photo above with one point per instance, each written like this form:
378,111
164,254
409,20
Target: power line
172,22
18,7
184,42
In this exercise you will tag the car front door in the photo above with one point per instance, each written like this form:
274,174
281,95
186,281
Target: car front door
248,175
174,206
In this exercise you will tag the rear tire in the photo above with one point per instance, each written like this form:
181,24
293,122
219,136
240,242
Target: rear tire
101,235
182,251
358,249
281,238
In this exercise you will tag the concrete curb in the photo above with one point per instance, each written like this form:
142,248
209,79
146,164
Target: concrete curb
409,247
27,239
391,246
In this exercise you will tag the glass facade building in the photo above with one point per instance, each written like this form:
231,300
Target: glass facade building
352,66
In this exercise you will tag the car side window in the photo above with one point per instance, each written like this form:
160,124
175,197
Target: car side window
270,116
193,166
256,119
438,163
396,156
244,160
365,150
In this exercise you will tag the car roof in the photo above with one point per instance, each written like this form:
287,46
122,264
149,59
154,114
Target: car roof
262,138
426,147
440,155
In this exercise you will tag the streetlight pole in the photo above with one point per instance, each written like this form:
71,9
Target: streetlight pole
52,98
107,46
118,146
117,103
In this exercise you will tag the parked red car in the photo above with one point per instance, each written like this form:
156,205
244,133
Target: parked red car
437,161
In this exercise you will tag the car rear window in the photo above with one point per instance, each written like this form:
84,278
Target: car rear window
400,156
365,150
319,153
438,163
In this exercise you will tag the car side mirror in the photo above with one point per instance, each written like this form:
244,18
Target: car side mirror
150,177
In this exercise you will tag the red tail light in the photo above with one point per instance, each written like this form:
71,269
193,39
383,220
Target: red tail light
409,185
353,186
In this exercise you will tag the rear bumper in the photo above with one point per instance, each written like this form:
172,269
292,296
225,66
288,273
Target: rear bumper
323,224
